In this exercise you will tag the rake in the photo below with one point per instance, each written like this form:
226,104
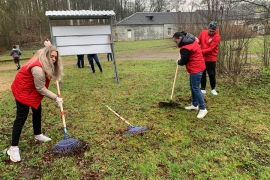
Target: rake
171,103
133,129
67,144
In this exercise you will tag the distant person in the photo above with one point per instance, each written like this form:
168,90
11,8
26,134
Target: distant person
109,56
16,53
29,87
80,61
192,58
209,41
91,62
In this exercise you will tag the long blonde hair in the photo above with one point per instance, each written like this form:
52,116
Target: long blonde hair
52,70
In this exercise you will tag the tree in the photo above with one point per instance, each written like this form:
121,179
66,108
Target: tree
140,5
261,11
176,4
158,5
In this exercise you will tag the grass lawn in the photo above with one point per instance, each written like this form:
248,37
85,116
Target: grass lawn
231,142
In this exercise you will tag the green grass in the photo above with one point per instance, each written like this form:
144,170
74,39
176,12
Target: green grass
139,45
231,142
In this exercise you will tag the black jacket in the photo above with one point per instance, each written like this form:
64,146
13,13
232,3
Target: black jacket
186,39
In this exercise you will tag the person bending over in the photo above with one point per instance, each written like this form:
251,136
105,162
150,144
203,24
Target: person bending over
191,56
29,87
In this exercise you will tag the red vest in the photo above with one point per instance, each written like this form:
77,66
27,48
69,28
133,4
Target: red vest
196,61
23,86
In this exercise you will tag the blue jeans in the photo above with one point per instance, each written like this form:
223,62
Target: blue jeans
197,96
90,59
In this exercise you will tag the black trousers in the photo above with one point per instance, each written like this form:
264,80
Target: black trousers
80,61
109,56
21,116
211,71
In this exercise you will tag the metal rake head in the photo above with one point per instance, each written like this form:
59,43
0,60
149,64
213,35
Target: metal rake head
168,104
68,145
136,130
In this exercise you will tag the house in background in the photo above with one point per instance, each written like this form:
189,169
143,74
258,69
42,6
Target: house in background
162,25
146,25
156,25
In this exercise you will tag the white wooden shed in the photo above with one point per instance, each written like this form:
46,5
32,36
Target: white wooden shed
83,39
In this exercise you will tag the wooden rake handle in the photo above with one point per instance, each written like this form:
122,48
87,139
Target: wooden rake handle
119,116
61,106
174,81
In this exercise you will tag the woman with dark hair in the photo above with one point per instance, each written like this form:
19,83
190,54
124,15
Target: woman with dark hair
192,58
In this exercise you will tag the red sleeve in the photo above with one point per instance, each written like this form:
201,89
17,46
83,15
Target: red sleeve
212,46
200,38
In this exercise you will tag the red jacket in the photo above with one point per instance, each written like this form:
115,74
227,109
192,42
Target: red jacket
23,86
196,62
209,45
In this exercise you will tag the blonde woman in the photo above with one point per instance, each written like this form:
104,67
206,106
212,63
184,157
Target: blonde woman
29,87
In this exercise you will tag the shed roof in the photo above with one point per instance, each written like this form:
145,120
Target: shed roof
79,14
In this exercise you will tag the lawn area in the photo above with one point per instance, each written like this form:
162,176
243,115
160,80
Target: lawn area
231,142
134,48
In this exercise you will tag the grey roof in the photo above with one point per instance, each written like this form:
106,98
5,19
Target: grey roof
79,14
197,17
142,18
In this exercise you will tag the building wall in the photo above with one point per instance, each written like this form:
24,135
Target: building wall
143,32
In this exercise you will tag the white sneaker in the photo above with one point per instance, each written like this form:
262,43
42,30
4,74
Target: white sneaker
202,113
42,138
214,92
192,107
203,91
14,154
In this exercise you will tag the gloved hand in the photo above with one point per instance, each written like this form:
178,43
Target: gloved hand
177,62
59,100
47,42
